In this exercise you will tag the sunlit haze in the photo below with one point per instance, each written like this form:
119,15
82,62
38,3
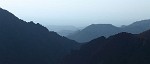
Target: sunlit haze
79,12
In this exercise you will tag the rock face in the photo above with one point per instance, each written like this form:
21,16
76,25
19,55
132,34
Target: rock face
97,30
29,43
122,48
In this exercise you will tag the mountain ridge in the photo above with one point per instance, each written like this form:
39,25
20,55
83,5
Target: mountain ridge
29,43
97,30
122,48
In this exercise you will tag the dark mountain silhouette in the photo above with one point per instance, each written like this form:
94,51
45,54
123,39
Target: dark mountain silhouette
97,30
122,48
29,43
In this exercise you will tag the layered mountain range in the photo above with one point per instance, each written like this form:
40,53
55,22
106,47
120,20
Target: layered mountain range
30,43
97,30
122,48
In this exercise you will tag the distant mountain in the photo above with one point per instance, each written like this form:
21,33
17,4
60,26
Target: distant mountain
96,30
122,48
29,43
62,30
137,27
65,32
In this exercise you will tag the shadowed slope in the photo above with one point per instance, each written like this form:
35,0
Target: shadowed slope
122,48
29,43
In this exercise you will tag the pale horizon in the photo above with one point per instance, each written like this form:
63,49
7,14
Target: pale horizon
79,12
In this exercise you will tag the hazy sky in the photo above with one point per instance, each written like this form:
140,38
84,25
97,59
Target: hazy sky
79,12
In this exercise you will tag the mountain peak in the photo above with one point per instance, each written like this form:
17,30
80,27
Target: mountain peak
145,22
97,30
6,16
101,25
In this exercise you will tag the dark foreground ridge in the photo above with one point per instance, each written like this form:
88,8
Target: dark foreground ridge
122,48
29,43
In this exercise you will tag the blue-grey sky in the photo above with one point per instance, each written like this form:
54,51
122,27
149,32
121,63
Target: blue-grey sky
79,12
